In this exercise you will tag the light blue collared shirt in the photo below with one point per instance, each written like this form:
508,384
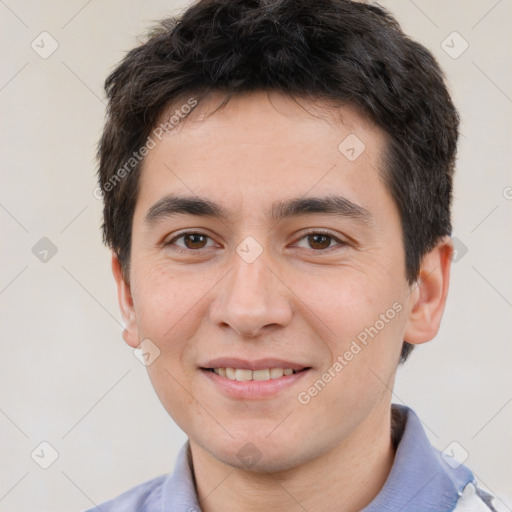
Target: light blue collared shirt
420,481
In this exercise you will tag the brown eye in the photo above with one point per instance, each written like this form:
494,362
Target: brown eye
319,241
190,241
195,241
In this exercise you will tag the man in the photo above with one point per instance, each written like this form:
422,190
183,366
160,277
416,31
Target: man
277,184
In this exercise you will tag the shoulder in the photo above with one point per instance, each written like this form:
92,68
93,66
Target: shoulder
475,499
144,497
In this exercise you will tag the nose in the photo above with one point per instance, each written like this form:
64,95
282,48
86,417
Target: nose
252,299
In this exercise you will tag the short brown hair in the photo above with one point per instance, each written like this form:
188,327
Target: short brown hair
341,50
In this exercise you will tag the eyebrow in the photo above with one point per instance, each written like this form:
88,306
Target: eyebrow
171,205
334,205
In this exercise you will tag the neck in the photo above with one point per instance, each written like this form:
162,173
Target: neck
345,478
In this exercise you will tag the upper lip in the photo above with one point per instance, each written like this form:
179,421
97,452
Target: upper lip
256,364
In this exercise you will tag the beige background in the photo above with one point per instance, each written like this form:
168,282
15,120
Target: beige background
66,375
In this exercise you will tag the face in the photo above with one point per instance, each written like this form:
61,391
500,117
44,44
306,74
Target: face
262,243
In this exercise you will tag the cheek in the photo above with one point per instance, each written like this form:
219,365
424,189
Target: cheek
168,304
169,310
346,301
360,318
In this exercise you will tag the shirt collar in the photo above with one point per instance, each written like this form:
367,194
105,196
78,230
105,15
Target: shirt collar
179,491
419,481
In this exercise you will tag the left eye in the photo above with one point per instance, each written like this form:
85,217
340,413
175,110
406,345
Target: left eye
319,241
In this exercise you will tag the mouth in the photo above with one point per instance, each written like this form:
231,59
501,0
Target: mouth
244,375
260,379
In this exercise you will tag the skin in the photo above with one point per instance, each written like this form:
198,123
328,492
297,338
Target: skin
299,300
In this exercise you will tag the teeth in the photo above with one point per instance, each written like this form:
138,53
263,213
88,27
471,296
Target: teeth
261,375
275,373
245,375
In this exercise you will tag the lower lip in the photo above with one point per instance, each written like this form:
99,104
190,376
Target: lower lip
254,389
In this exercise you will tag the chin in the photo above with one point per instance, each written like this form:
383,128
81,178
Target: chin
261,455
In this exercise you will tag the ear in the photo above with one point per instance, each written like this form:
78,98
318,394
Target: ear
428,295
124,296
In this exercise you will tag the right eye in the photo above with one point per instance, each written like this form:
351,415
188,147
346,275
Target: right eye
190,241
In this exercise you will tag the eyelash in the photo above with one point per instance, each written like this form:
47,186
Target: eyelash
340,243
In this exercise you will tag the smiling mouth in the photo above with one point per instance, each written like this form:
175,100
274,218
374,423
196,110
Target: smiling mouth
242,374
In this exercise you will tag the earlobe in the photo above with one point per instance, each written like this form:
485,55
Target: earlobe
124,296
428,295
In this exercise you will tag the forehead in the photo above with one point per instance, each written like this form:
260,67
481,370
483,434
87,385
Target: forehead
263,115
262,146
